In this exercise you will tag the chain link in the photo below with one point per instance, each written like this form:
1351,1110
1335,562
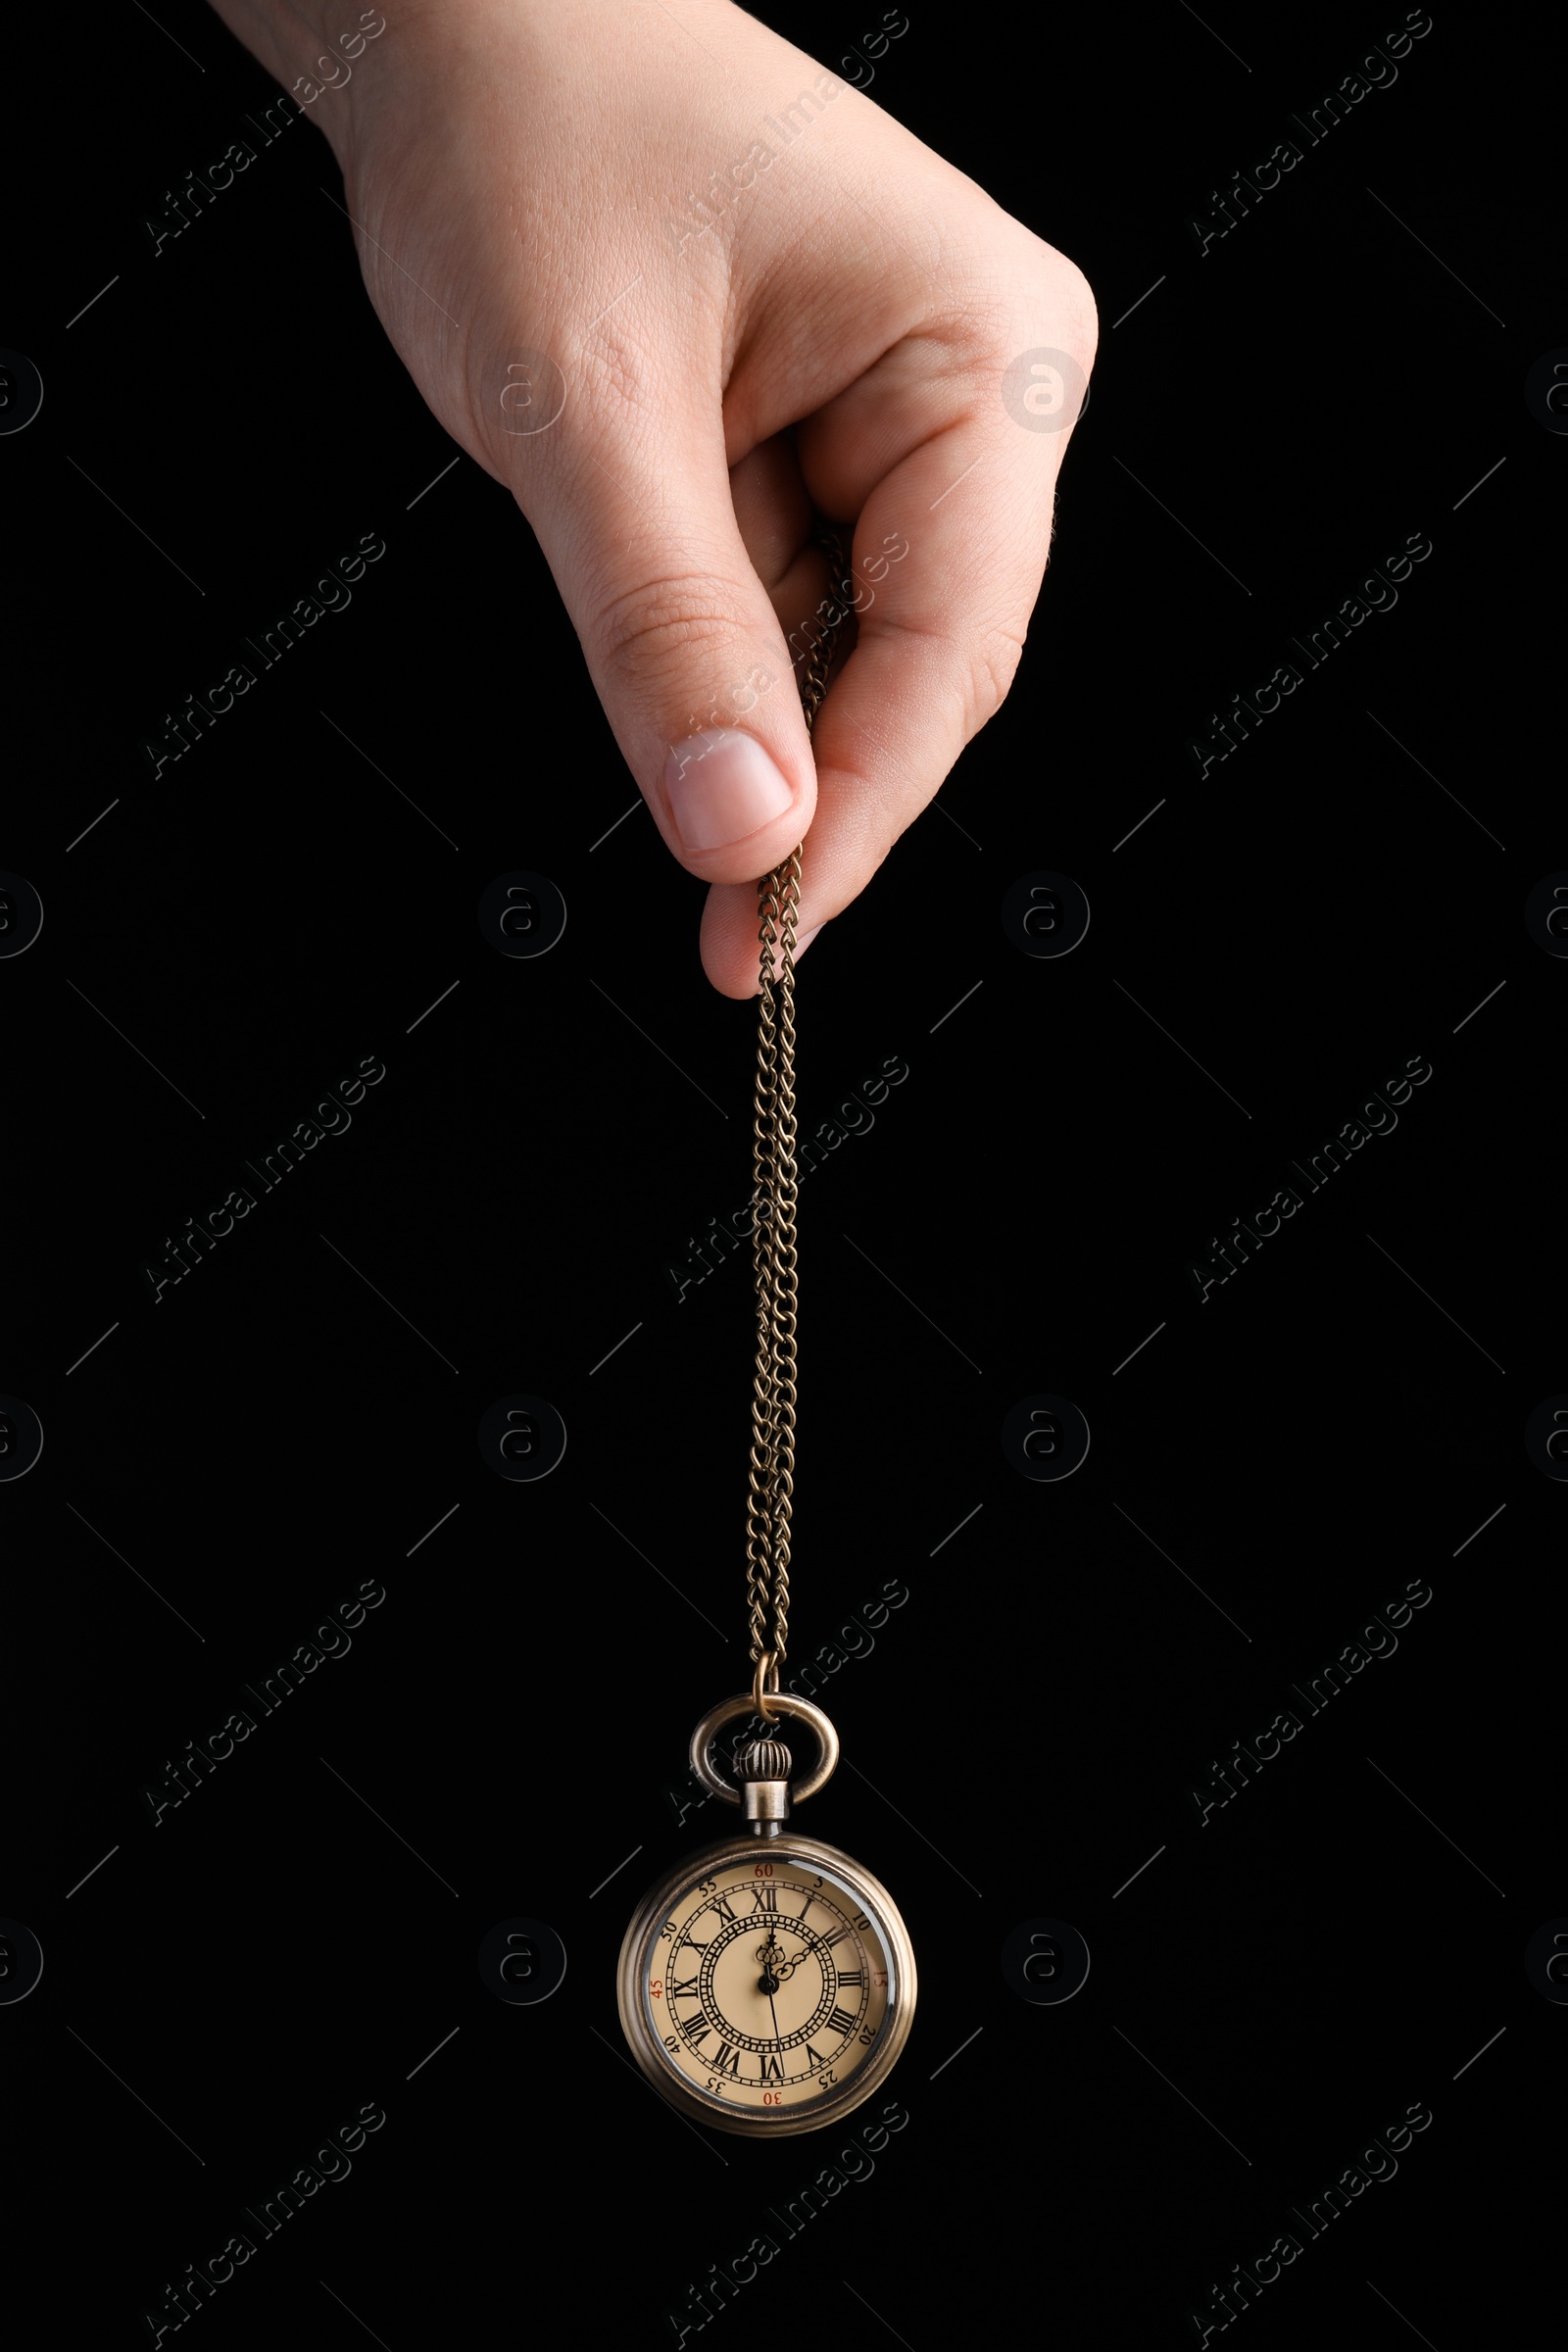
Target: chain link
771,1482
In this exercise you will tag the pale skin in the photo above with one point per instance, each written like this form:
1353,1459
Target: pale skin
838,336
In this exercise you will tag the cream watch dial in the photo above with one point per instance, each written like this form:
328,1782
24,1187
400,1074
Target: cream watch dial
767,1985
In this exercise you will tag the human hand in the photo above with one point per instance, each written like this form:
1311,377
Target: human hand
521,176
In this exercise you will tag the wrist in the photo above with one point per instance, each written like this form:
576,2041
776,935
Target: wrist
323,52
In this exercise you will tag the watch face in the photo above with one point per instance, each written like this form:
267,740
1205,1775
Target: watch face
768,1985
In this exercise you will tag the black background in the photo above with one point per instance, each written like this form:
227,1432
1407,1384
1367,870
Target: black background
1279,1984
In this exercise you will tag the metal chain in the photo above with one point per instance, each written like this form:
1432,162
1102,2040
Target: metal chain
771,1479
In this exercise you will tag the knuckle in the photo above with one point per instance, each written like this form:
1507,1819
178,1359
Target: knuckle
623,393
1058,293
973,671
1077,308
995,656
1077,300
655,626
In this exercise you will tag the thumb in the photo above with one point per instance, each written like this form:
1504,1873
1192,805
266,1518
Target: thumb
683,645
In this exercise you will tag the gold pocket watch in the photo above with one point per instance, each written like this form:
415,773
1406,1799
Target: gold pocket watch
767,1984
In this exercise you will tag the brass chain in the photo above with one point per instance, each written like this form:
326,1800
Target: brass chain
771,1482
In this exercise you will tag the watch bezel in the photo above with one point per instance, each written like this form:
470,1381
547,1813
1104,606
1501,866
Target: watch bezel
648,2049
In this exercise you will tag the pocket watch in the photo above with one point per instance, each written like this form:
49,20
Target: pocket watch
767,1984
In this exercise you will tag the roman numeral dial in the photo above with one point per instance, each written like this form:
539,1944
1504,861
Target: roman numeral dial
767,1984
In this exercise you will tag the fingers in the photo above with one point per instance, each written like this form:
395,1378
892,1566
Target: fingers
772,509
680,633
953,532
773,515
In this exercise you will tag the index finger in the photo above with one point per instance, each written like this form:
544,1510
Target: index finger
952,474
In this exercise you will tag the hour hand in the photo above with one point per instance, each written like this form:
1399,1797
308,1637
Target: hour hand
774,1964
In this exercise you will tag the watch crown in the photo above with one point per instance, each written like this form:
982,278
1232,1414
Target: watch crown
763,1760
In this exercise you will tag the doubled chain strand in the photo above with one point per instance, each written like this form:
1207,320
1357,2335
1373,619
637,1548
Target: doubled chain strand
760,1505
771,1482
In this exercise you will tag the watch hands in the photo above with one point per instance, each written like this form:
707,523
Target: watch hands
769,1989
775,1968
